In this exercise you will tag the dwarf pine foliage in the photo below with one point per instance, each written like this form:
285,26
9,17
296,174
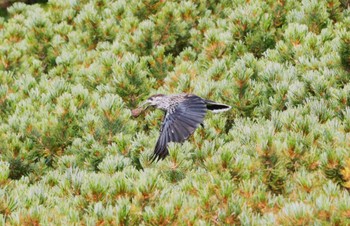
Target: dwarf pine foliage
71,71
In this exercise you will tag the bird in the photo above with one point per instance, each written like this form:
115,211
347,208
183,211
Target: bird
183,114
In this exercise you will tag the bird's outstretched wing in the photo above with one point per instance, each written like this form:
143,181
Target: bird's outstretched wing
179,123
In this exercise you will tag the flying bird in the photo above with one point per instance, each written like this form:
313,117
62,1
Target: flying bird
183,114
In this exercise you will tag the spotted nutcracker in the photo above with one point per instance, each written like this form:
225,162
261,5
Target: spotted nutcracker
184,113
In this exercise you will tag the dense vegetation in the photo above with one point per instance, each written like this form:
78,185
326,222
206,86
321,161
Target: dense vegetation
4,4
72,154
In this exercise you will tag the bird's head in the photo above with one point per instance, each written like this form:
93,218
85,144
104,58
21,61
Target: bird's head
152,101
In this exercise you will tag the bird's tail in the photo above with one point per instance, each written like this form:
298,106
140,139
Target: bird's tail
217,107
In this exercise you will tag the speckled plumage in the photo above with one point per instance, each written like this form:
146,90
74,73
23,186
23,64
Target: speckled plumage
184,113
169,102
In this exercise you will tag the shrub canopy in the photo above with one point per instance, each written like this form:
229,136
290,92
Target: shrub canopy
71,70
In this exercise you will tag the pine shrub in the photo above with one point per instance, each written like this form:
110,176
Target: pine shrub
71,71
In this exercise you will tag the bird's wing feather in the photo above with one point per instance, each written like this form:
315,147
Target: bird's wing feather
179,123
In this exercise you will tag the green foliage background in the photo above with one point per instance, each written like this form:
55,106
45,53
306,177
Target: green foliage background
72,154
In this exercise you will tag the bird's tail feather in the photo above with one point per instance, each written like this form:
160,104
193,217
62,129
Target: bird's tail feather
217,107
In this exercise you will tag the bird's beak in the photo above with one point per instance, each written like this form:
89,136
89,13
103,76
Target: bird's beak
145,105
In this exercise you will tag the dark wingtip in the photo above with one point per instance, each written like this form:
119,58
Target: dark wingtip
155,158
